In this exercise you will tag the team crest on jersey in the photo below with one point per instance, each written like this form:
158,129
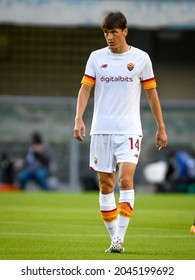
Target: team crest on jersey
130,66
95,160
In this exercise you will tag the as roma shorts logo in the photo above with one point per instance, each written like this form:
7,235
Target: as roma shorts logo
130,66
95,160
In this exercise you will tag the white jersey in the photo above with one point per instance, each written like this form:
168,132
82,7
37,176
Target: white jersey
118,79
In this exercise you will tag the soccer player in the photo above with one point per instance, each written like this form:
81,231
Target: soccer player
118,72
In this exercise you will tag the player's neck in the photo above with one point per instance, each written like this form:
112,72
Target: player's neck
122,49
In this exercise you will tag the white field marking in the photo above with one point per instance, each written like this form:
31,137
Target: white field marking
93,235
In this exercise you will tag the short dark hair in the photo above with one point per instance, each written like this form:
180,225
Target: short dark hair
36,138
114,20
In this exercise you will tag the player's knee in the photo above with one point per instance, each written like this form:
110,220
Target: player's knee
106,187
125,182
106,182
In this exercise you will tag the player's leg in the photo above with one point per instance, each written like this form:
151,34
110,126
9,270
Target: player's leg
127,150
107,201
126,198
125,206
103,161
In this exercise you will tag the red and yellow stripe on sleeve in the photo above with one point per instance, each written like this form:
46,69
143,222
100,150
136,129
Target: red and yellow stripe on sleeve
88,80
149,84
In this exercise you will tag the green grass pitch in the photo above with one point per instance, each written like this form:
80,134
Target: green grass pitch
68,226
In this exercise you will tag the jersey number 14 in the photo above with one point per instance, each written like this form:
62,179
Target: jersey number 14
134,143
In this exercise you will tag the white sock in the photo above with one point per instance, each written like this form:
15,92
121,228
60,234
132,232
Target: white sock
125,211
108,211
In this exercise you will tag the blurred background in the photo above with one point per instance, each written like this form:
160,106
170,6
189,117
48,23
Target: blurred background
44,46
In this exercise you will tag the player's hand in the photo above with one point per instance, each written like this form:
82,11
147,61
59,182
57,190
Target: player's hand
161,139
79,129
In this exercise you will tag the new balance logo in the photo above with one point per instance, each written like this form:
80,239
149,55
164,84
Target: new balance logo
104,66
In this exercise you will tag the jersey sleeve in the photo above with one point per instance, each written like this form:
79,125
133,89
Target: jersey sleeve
89,76
147,79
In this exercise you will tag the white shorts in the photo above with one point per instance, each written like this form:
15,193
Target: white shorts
107,150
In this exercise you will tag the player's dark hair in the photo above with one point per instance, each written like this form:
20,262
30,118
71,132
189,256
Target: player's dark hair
36,138
114,20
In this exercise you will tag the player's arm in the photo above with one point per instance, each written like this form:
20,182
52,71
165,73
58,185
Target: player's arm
161,136
82,101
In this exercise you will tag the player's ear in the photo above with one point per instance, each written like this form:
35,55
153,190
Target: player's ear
125,31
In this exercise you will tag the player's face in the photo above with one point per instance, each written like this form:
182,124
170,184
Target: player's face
116,39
